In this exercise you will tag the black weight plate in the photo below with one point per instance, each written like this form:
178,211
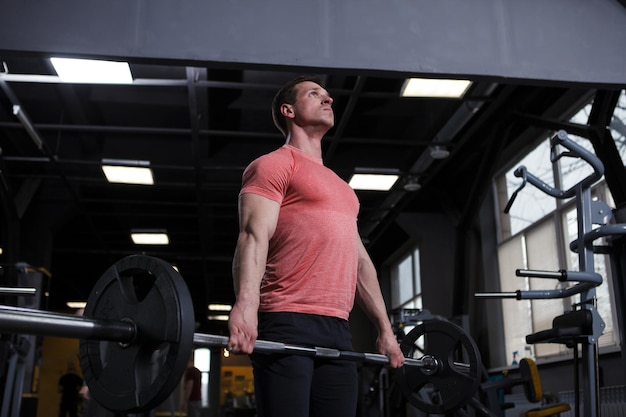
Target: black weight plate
457,379
139,375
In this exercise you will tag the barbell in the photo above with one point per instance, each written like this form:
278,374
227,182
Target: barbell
137,333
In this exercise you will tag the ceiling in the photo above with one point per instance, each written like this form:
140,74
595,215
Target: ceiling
199,127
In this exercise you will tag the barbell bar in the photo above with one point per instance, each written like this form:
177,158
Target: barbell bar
17,291
137,332
428,362
43,323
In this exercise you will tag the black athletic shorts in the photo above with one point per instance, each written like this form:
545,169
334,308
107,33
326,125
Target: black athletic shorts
298,386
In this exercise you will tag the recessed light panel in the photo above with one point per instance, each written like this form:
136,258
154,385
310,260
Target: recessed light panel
426,87
128,175
89,71
374,182
149,238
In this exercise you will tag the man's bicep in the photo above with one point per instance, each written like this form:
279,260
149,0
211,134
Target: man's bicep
257,214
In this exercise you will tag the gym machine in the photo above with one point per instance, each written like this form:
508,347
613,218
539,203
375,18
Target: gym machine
12,398
16,354
583,325
485,401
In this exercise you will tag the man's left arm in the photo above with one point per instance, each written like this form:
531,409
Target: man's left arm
370,299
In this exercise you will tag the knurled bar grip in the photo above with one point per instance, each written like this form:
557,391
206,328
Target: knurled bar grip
264,346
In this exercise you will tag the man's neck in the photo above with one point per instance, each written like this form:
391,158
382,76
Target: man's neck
310,144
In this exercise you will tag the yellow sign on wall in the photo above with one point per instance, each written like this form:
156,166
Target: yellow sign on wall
236,386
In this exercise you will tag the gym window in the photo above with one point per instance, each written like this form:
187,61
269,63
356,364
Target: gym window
406,286
202,361
536,233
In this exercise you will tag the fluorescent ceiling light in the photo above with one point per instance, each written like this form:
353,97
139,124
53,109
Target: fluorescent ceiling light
220,307
71,70
127,172
425,87
218,317
147,237
375,182
76,304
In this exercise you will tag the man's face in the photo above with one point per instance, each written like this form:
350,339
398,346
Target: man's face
313,105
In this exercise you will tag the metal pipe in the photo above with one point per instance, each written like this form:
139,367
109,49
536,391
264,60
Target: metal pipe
17,291
428,362
17,111
44,323
495,295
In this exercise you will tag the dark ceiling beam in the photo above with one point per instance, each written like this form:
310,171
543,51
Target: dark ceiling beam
234,134
164,185
143,130
604,145
184,82
552,124
167,203
154,213
144,82
165,254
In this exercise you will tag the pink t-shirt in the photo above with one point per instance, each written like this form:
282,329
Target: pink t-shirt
313,254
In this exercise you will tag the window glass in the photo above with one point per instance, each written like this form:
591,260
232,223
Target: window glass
406,284
402,285
202,361
543,255
618,125
573,170
535,204
516,314
417,283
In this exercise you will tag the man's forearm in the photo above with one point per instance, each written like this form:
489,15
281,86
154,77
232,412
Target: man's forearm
248,269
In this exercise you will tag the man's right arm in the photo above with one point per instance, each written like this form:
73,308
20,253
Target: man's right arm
258,217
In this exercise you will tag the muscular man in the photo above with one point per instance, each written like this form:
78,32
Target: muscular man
299,265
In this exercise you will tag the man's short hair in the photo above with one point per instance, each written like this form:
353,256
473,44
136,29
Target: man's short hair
287,94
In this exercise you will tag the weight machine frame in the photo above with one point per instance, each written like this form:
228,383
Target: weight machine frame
589,213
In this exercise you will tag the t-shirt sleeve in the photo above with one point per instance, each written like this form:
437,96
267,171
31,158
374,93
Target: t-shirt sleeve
268,176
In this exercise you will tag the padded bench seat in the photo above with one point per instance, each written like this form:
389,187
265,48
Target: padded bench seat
568,328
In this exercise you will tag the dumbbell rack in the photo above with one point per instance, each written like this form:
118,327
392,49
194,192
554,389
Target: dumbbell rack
583,325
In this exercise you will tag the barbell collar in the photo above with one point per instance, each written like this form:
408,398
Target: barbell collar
44,323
